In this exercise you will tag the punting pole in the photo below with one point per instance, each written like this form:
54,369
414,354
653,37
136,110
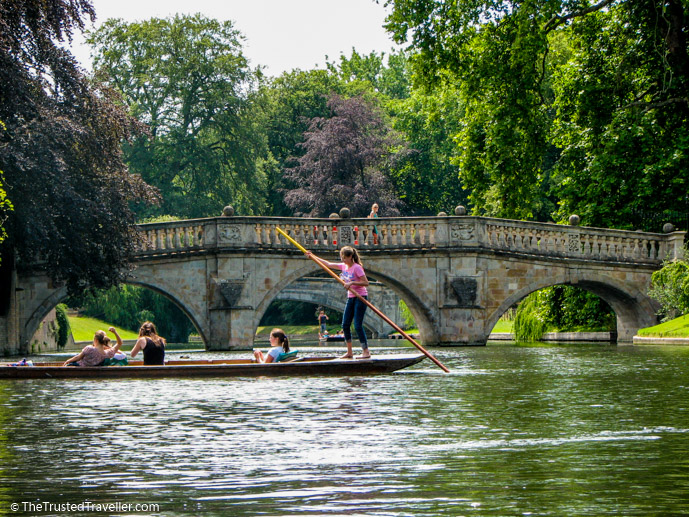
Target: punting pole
369,304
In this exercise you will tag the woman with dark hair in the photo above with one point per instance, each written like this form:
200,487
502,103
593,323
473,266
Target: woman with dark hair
280,343
355,280
151,343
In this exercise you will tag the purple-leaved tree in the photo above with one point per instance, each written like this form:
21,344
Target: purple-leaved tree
345,163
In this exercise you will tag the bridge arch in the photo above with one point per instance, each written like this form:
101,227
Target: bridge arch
39,314
189,313
632,307
324,301
56,296
422,315
272,293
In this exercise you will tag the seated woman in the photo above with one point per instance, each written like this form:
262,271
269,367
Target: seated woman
151,343
280,344
98,352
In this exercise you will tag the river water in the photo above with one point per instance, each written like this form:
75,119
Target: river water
561,430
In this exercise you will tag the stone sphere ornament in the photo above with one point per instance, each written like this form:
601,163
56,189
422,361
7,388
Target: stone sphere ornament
334,216
460,210
668,228
442,214
574,220
228,211
344,212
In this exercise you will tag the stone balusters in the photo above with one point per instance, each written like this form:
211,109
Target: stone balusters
533,238
163,237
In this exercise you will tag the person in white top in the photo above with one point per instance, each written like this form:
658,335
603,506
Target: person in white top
280,344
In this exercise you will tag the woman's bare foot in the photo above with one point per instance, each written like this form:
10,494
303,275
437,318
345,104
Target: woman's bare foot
365,355
347,356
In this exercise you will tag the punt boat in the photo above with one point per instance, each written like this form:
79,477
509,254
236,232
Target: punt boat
302,366
330,339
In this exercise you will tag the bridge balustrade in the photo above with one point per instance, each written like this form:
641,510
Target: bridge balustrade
411,233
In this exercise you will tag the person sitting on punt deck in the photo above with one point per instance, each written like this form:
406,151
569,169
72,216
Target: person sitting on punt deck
151,343
280,343
98,352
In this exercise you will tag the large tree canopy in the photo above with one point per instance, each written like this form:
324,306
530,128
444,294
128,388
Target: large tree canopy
345,162
187,79
60,150
588,96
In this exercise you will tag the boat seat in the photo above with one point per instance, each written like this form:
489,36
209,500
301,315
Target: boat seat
287,357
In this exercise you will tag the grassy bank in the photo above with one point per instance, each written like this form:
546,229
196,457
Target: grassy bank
679,327
83,328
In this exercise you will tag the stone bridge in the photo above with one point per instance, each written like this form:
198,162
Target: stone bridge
457,275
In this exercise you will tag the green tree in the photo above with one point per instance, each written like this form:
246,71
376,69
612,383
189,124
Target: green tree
346,161
491,52
425,176
60,152
392,80
622,113
187,79
5,207
63,327
612,101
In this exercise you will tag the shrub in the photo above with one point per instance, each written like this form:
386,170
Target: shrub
529,320
670,288
63,328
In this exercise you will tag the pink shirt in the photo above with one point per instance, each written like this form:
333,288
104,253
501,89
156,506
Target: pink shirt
353,274
94,357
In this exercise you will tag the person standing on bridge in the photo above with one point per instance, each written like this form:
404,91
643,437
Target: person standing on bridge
374,215
355,281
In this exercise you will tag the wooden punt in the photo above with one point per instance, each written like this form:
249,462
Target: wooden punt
217,368
330,339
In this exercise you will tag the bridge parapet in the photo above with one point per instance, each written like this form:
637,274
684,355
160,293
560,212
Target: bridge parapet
412,233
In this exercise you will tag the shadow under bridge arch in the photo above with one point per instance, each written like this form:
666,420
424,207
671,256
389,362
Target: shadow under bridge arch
633,308
188,307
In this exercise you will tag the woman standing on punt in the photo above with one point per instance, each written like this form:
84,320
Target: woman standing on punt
354,276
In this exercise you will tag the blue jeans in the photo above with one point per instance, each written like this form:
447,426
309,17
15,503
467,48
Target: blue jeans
354,311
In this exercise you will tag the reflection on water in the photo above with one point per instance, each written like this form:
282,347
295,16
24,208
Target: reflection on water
555,430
